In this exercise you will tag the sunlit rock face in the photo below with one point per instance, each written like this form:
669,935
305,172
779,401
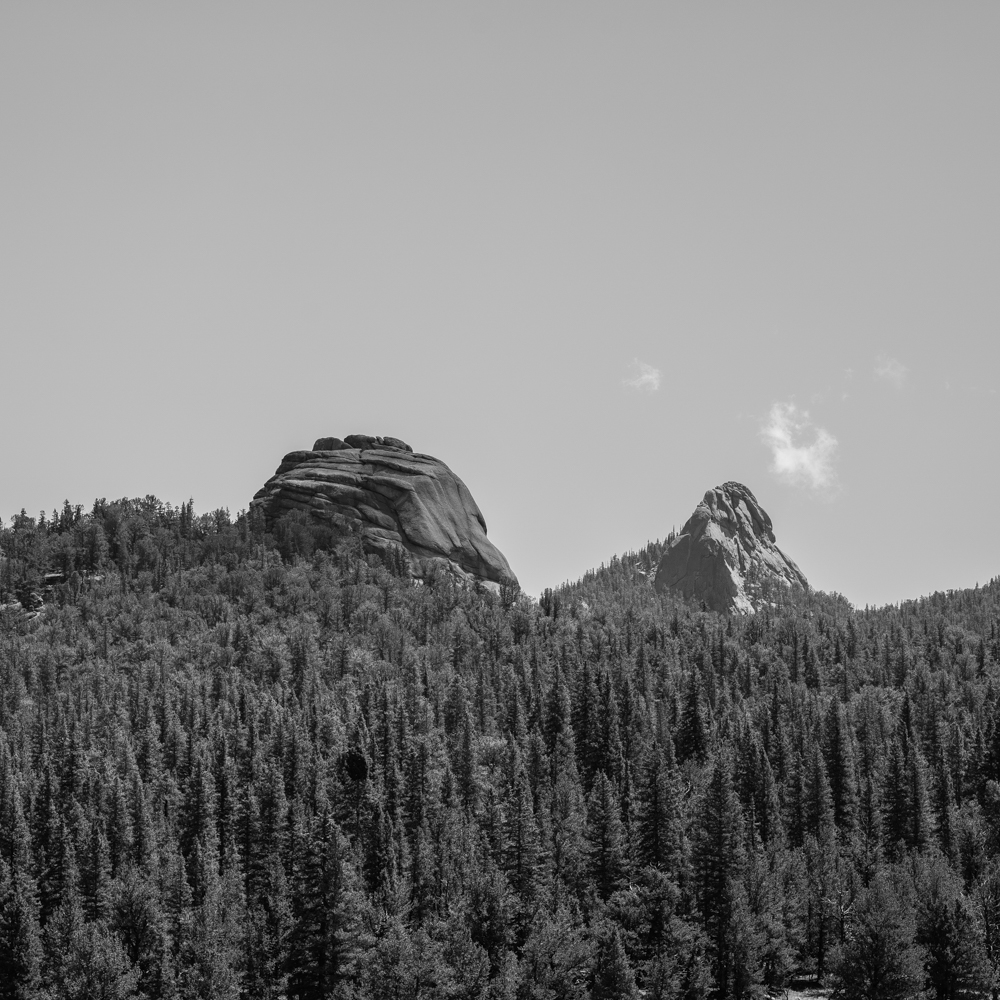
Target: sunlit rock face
725,555
380,489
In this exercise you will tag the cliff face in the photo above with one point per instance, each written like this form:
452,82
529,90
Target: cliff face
726,553
379,488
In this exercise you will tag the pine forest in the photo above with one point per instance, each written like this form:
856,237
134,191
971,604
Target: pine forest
241,763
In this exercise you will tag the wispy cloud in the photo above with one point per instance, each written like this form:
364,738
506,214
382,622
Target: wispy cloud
890,370
801,454
644,377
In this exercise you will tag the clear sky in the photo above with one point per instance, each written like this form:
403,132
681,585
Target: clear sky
596,257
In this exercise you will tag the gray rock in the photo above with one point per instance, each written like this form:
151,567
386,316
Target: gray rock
330,444
725,555
391,442
362,441
381,489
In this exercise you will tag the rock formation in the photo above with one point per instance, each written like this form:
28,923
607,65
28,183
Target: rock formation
378,488
725,554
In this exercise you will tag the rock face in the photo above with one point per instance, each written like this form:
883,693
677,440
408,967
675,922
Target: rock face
378,487
725,555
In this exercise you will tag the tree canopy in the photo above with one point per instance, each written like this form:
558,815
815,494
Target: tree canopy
247,763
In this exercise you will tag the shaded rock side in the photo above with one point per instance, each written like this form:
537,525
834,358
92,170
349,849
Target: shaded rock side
725,555
391,496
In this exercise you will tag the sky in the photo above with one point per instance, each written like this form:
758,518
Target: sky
597,257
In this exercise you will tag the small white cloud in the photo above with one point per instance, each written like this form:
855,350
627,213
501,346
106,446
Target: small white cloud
645,377
795,459
891,370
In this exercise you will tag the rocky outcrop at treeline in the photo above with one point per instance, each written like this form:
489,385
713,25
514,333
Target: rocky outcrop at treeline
379,488
725,555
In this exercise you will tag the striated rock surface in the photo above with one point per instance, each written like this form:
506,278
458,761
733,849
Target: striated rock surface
378,487
725,554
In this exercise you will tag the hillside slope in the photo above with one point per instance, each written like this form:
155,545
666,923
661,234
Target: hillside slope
272,763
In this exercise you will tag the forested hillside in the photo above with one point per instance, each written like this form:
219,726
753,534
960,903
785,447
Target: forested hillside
236,764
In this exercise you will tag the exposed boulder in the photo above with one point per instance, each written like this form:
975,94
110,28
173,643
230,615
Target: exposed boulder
379,488
725,555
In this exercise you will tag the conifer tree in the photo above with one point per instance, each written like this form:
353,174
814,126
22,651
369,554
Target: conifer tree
586,724
560,739
49,836
422,874
607,847
738,969
813,670
95,874
610,756
718,862
267,897
898,809
119,830
944,808
869,831
658,828
523,848
211,957
821,875
323,949
85,959
613,978
567,822
920,822
986,895
465,766
772,901
819,809
840,767
21,953
957,961
379,857
490,914
796,803
137,920
556,957
767,806
880,959
692,736
143,834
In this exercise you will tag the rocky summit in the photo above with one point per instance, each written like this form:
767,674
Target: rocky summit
725,555
391,496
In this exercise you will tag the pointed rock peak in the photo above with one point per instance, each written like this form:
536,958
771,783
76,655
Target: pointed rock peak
725,555
377,488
